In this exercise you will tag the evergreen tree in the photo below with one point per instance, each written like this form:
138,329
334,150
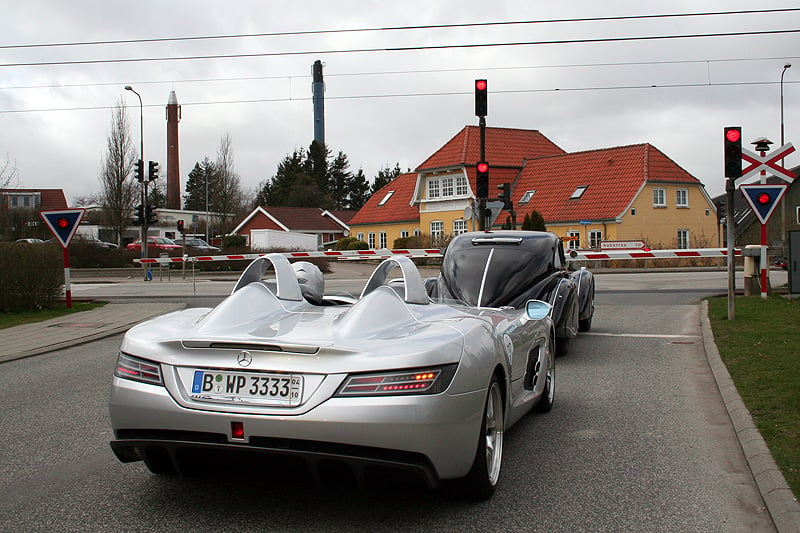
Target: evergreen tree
357,191
202,175
533,222
385,175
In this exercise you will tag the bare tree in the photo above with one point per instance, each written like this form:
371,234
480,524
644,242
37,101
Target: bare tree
229,196
119,192
9,175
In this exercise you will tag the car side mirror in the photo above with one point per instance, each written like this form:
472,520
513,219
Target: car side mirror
537,309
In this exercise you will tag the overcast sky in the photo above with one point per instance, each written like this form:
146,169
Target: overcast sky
388,106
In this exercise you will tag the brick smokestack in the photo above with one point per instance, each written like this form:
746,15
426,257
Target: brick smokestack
173,160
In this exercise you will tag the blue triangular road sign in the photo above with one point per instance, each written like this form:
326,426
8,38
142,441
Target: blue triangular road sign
63,223
763,198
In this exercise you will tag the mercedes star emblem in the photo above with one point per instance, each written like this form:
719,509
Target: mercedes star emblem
244,358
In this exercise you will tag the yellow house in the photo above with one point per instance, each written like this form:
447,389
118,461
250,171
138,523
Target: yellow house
628,193
618,194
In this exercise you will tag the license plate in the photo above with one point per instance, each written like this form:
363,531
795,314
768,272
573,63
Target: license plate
247,388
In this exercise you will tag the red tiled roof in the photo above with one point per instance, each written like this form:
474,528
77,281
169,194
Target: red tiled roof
301,218
505,147
396,209
613,176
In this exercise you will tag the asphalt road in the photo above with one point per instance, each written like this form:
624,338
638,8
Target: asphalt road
638,440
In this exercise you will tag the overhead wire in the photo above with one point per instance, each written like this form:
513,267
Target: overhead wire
401,28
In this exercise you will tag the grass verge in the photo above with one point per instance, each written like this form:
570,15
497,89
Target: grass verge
761,350
18,318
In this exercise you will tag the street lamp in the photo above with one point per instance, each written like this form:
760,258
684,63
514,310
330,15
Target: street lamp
783,204
785,68
144,178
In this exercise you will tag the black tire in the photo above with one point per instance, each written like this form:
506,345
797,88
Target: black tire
545,403
585,324
482,479
562,346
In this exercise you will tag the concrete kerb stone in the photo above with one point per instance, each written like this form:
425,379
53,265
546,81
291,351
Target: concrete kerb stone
778,497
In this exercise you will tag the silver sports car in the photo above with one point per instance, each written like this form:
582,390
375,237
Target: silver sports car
395,380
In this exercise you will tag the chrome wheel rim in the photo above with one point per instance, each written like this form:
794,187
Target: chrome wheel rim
494,433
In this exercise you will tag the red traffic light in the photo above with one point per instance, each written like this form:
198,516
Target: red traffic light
483,167
733,134
764,198
480,85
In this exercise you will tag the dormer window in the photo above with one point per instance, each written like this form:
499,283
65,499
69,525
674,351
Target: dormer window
578,192
386,198
527,197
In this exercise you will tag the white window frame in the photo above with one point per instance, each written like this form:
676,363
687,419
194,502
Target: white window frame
448,185
371,240
462,187
434,191
459,226
382,239
683,239
595,238
437,229
682,198
659,197
527,197
403,234
360,236
576,244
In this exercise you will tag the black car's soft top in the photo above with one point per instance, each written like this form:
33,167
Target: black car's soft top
495,269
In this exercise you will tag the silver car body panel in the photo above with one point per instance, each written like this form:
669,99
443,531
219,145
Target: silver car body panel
390,327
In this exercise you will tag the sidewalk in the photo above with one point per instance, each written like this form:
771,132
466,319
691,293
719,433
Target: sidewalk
78,328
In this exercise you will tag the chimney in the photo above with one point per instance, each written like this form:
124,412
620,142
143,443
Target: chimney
318,97
173,160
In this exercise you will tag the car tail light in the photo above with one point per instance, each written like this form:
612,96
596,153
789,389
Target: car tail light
130,367
413,381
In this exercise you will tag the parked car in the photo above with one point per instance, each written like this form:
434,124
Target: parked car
194,244
30,241
161,243
507,268
391,381
91,240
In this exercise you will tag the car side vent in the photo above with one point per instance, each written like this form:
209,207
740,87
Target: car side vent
514,241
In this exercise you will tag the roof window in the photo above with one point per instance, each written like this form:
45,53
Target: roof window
578,192
386,198
527,197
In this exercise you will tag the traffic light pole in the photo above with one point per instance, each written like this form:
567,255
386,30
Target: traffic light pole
482,219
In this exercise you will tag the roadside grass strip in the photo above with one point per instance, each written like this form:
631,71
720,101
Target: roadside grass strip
761,349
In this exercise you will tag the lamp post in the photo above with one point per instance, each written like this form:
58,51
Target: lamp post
144,178
783,204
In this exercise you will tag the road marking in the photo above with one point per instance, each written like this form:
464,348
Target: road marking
642,335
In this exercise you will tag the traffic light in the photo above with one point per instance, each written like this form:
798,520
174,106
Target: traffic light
138,170
139,220
481,105
505,196
482,182
153,170
150,213
180,227
733,152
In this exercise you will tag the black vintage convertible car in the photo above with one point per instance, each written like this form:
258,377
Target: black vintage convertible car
508,268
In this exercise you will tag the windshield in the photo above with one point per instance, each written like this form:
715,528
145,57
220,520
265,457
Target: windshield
495,276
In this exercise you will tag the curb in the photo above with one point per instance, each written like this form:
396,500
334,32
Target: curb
778,497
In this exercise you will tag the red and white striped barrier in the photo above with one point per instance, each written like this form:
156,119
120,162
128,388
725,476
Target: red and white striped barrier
343,254
383,254
651,254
